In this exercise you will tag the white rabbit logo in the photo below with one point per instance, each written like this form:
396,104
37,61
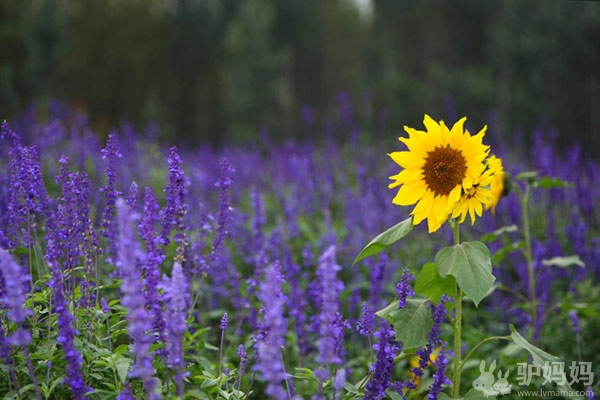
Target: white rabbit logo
502,386
486,380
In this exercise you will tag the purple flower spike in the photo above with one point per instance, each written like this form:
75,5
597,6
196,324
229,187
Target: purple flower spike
241,353
154,258
132,298
439,378
273,330
133,196
224,322
13,297
439,312
224,217
176,297
66,336
27,193
176,208
574,321
331,333
386,348
110,153
5,132
403,288
366,323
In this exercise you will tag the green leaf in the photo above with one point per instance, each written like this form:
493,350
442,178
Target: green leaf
122,365
470,264
430,284
475,394
491,236
564,262
385,239
552,183
411,323
393,395
527,175
305,374
538,355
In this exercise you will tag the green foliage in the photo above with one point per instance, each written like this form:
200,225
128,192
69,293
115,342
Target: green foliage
430,284
470,264
385,239
411,323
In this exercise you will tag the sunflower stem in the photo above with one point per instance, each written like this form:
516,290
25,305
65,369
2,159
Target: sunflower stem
529,253
457,324
524,196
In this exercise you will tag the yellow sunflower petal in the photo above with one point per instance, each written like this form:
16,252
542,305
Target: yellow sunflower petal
409,194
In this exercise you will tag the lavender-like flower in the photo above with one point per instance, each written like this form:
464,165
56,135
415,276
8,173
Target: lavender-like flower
110,153
223,327
330,335
133,196
13,298
224,322
403,288
224,217
132,298
27,193
104,306
154,258
176,208
66,336
439,312
386,348
126,394
297,303
176,297
439,378
273,329
575,321
366,323
69,230
377,281
241,353
5,132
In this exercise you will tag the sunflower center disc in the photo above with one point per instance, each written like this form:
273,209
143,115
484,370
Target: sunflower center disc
444,168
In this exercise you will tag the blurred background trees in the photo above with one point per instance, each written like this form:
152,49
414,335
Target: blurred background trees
224,70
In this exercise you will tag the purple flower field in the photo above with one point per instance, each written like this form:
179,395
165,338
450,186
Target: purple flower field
129,270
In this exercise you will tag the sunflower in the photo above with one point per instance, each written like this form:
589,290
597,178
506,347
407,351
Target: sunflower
497,185
473,199
439,165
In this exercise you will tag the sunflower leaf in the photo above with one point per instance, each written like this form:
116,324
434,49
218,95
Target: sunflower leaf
552,183
385,239
543,359
470,264
564,262
430,284
529,176
411,323
491,236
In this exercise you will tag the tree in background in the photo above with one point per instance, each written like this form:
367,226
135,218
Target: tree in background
219,70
